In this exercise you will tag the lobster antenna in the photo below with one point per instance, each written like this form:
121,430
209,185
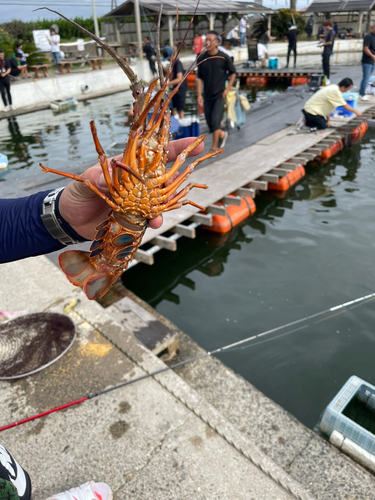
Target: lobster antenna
158,56
127,70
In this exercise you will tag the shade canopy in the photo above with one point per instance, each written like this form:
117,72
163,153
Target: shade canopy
187,7
340,6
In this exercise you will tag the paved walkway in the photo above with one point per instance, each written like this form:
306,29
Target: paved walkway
155,439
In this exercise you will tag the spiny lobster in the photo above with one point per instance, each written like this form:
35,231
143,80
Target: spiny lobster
137,186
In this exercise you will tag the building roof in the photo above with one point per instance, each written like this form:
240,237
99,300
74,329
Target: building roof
340,6
187,7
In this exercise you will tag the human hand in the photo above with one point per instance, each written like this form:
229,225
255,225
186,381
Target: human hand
83,210
225,93
200,100
358,113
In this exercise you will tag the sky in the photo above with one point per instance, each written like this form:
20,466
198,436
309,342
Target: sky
23,9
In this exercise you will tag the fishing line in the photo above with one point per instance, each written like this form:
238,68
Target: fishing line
229,347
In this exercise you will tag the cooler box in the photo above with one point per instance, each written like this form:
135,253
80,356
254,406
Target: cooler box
351,98
189,127
273,62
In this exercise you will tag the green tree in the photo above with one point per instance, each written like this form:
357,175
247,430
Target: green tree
278,23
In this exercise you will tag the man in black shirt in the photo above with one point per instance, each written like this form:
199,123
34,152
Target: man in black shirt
16,68
150,54
4,82
368,61
328,46
213,72
178,100
291,35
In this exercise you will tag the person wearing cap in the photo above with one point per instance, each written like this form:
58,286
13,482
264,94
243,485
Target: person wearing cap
291,36
16,67
54,40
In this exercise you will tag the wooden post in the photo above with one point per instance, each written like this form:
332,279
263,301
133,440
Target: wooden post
117,29
139,28
360,24
170,28
269,24
211,18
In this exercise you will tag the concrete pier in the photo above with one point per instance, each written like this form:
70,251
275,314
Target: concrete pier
201,432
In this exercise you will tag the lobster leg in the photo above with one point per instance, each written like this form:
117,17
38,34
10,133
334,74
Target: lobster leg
157,181
86,183
103,161
182,203
175,199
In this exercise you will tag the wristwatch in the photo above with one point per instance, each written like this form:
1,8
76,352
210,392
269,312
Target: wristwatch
53,222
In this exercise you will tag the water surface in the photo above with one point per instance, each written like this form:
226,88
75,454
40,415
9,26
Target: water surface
299,255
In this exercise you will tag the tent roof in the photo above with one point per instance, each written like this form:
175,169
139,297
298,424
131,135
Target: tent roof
187,7
340,6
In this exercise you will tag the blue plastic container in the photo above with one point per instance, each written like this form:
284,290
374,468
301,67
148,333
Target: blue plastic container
334,418
351,98
189,127
3,162
273,62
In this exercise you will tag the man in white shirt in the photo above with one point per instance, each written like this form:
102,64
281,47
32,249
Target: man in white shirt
243,26
54,40
232,37
318,108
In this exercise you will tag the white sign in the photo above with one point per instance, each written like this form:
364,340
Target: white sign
40,40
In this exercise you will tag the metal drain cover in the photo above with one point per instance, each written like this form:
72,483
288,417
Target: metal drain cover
32,342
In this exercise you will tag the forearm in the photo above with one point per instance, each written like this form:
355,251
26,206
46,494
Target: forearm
22,232
199,87
368,52
231,81
352,110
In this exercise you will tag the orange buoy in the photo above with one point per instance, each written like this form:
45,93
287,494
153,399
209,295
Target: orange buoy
256,80
288,180
357,133
299,80
235,215
191,80
330,151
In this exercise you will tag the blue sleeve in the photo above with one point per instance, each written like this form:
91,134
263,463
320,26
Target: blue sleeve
22,232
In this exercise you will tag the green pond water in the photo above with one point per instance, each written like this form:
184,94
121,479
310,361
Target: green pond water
297,256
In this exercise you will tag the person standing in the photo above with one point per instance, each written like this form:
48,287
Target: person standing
291,35
243,25
197,44
368,61
178,100
150,54
328,47
213,72
54,40
310,26
5,82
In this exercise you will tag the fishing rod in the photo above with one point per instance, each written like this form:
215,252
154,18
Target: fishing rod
341,308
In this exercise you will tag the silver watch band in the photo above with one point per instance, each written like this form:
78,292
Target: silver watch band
51,220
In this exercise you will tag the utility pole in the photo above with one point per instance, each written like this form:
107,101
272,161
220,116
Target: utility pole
139,28
293,4
95,19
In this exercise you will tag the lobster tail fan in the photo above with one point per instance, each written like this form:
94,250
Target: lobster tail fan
77,266
80,271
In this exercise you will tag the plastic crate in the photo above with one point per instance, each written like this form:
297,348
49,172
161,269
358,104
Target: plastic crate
273,62
334,419
351,98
